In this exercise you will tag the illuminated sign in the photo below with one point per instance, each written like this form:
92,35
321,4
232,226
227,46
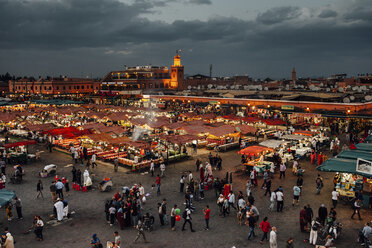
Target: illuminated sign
287,107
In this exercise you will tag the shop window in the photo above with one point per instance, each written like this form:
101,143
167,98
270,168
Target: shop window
57,87
64,87
82,87
78,87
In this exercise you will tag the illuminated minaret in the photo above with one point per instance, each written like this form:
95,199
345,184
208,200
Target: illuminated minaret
176,72
294,75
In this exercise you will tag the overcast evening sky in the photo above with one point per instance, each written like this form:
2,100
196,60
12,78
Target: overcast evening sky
260,38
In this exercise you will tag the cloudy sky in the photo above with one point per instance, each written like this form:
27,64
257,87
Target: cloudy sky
260,38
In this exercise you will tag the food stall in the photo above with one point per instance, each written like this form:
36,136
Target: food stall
348,179
224,137
17,152
256,158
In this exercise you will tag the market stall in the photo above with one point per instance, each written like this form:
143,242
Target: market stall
348,180
17,151
255,158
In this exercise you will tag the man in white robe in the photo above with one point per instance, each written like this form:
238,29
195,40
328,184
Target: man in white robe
59,209
85,176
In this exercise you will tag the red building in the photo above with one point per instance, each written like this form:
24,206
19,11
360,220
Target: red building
55,86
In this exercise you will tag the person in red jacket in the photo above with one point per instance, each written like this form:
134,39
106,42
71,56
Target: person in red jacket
158,183
265,227
320,159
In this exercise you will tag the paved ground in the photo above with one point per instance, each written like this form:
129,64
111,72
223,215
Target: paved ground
224,232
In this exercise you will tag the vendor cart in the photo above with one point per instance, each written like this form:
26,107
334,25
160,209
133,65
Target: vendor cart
105,185
49,170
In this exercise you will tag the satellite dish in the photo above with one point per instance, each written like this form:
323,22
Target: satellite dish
346,100
328,89
210,86
266,89
189,87
368,98
340,89
352,98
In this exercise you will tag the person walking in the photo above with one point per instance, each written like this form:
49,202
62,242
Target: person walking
273,238
265,177
279,201
94,158
152,168
296,195
356,209
272,200
187,217
140,232
265,227
158,183
201,190
319,184
207,213
182,183
252,224
162,169
268,186
173,217
231,198
18,205
39,226
315,226
322,213
161,214
39,189
282,170
309,214
303,219
53,190
335,196
164,210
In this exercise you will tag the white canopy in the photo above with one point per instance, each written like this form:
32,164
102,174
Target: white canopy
294,137
272,143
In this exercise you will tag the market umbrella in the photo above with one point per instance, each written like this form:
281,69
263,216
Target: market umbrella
6,196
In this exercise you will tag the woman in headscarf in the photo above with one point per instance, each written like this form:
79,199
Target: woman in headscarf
95,242
9,242
201,174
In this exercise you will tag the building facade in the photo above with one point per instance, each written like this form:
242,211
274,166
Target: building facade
144,78
54,86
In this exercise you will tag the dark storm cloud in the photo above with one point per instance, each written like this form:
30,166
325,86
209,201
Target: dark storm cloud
278,15
102,34
327,13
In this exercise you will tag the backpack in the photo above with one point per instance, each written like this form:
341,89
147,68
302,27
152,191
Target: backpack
184,214
315,226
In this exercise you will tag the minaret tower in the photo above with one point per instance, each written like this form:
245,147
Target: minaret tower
176,72
294,75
